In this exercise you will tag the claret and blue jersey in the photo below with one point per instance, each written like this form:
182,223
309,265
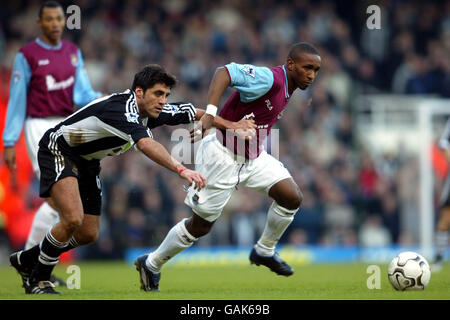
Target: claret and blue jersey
262,94
46,81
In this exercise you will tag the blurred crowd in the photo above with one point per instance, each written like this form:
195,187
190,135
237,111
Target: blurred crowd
350,196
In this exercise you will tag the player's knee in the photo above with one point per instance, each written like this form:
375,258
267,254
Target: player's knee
292,200
72,222
198,227
200,230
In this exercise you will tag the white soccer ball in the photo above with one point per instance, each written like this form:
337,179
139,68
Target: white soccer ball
409,271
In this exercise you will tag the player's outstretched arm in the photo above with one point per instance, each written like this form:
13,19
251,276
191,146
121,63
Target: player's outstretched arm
156,151
219,83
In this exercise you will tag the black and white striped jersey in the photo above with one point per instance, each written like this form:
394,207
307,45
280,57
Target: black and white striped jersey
109,126
173,114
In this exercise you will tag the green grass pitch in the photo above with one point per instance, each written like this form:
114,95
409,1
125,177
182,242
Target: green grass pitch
119,281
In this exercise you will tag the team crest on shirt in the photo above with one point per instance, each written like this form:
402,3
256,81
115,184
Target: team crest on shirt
74,59
249,70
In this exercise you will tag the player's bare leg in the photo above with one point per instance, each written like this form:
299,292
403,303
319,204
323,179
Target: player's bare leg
287,199
197,226
88,232
66,197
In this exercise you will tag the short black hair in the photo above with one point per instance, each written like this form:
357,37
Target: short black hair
49,4
152,74
302,47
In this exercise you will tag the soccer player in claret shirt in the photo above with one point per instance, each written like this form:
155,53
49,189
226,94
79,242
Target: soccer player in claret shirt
69,159
48,79
262,93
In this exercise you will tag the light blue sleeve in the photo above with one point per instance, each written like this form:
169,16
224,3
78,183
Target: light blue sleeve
17,104
252,82
82,91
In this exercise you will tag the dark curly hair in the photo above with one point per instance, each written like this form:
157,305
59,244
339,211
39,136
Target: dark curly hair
151,75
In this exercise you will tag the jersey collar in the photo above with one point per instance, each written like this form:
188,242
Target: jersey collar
48,46
286,85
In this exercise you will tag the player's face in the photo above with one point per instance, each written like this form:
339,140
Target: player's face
304,69
152,101
52,24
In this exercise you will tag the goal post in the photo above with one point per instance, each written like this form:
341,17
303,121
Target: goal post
388,123
427,110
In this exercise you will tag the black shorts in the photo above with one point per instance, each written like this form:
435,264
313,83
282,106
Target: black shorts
55,167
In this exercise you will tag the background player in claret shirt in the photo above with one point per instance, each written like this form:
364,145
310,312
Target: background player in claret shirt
262,93
48,79
443,224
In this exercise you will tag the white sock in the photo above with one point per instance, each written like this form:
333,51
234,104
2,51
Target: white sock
278,219
44,219
441,242
176,240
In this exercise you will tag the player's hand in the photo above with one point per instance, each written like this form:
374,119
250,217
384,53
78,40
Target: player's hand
194,177
9,155
245,129
205,123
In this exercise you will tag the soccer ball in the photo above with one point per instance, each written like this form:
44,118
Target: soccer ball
409,271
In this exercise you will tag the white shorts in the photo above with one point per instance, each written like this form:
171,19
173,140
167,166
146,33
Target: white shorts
34,129
224,171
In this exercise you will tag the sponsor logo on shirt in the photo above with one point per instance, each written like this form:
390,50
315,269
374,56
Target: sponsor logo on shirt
43,62
53,85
